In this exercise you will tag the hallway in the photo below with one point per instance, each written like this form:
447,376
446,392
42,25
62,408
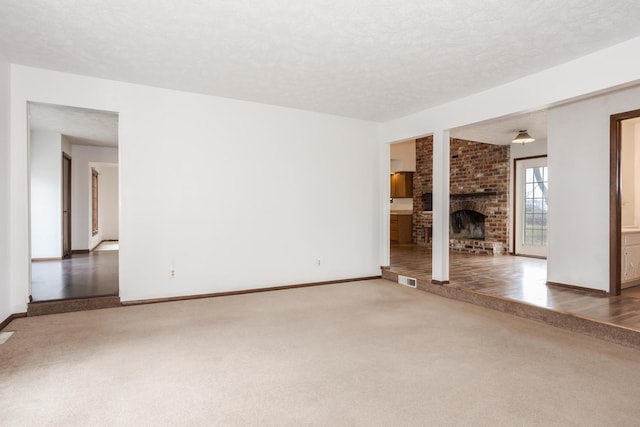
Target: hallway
83,275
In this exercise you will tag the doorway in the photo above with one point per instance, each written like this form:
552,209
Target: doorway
624,201
409,221
65,145
66,205
531,183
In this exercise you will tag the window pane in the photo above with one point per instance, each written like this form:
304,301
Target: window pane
528,206
528,220
537,192
537,236
535,206
528,191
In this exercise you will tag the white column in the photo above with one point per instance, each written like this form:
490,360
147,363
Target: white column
385,168
440,243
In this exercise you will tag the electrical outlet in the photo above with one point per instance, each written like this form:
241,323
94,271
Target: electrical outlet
318,263
172,272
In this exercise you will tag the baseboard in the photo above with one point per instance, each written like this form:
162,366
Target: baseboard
80,251
92,303
529,256
440,282
9,319
244,291
46,259
577,288
630,284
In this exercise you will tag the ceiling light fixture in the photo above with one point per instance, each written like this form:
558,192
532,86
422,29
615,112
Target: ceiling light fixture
523,137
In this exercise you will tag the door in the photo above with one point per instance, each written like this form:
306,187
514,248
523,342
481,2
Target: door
622,189
531,212
66,206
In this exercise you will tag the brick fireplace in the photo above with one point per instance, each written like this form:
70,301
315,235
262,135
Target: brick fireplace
479,184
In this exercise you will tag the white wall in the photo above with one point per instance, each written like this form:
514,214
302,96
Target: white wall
206,186
536,148
66,146
108,202
636,139
578,143
46,195
81,159
628,174
5,265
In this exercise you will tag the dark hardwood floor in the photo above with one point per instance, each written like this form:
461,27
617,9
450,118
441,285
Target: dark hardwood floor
88,275
521,279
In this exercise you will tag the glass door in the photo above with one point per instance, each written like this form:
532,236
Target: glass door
532,209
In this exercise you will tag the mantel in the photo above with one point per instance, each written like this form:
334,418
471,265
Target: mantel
476,194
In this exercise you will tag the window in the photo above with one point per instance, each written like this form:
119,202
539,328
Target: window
535,206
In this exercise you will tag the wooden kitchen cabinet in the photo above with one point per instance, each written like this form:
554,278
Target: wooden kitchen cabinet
401,228
402,185
630,259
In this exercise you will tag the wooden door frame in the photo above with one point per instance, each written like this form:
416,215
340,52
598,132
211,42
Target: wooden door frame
94,201
615,200
514,202
65,156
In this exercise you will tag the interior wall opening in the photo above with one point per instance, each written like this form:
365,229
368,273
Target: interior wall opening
73,182
407,232
481,175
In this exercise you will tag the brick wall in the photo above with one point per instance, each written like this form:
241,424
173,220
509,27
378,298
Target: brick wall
422,183
475,168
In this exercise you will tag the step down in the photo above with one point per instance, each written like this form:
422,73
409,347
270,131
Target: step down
68,305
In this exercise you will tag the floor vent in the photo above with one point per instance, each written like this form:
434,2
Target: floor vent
407,281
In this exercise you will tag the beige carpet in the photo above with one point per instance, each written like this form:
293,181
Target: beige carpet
364,353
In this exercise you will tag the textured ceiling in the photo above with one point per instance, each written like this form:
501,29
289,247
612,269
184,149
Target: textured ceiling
370,59
80,126
502,131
